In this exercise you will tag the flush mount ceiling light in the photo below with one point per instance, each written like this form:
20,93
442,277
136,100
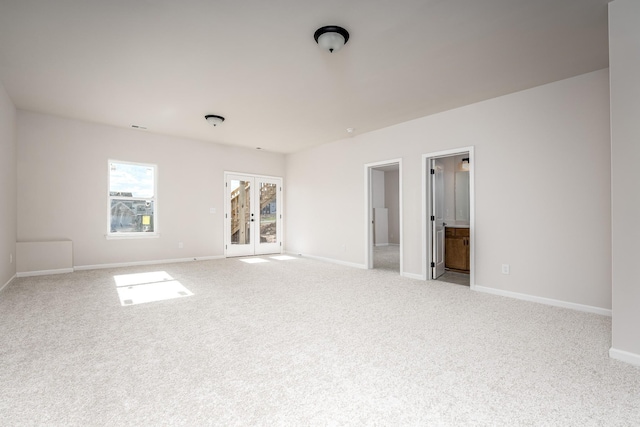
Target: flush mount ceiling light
331,37
213,119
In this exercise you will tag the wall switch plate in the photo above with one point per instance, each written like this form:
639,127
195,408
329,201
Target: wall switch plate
505,268
10,258
180,245
212,210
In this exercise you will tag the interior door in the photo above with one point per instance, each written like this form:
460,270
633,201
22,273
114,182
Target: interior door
253,217
437,213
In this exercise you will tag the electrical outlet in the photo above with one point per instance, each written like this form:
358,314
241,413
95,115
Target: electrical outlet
505,268
212,210
344,248
180,245
10,258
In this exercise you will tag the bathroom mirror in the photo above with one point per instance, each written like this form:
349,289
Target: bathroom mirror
462,196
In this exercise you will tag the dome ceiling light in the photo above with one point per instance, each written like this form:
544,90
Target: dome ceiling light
213,119
331,37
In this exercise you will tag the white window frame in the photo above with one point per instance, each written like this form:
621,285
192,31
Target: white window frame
154,200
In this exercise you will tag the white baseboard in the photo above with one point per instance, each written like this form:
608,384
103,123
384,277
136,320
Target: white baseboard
624,356
413,276
44,272
542,300
331,260
153,262
8,281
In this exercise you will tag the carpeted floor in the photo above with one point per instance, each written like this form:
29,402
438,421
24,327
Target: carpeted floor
387,258
301,342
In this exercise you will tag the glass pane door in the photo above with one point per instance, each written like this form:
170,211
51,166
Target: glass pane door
253,221
239,216
269,215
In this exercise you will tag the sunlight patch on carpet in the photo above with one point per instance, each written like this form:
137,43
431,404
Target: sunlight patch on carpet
153,286
253,260
283,257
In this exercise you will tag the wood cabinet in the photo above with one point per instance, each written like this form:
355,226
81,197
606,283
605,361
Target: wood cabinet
456,248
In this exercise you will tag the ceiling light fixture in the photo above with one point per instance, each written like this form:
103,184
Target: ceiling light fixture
213,119
331,37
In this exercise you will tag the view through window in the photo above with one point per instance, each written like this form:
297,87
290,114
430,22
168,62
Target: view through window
132,198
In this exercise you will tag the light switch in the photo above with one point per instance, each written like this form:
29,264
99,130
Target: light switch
212,210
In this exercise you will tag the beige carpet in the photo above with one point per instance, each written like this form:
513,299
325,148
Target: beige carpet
301,342
387,258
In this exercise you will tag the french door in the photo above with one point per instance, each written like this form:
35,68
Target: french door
253,215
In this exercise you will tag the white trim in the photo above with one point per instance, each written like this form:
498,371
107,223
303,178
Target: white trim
368,254
129,236
255,175
9,281
426,192
624,356
426,250
543,300
44,272
331,260
154,262
412,276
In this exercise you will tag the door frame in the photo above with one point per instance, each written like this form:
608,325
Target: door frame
427,197
227,212
437,197
368,210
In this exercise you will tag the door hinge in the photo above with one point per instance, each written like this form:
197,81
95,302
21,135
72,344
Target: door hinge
225,215
433,171
226,247
280,244
226,184
433,264
433,218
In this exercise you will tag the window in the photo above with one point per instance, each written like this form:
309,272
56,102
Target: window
132,199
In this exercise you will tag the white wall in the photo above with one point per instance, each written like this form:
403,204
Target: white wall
377,189
62,188
8,224
449,180
624,48
542,189
392,203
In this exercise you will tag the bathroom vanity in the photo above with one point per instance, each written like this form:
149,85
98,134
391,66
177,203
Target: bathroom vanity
456,250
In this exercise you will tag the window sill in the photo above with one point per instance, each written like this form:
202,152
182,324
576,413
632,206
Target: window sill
129,236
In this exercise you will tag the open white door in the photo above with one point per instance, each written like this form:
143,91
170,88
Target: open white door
437,218
253,215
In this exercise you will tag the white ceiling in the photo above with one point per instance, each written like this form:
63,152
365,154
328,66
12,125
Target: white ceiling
164,64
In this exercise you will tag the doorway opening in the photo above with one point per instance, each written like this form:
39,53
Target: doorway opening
253,215
383,215
449,220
